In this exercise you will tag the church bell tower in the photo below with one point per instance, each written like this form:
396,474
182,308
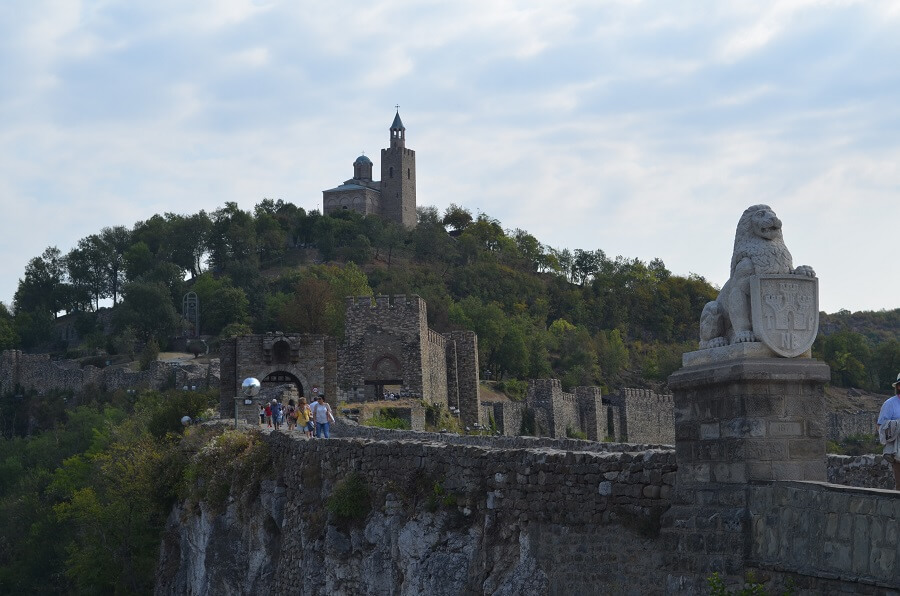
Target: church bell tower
398,177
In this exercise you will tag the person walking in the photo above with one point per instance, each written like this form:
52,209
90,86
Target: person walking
268,413
322,415
262,415
304,418
889,431
276,413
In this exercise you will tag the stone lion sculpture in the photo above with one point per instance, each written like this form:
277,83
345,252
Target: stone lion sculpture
758,249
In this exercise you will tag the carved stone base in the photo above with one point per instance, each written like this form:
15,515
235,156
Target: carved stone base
739,351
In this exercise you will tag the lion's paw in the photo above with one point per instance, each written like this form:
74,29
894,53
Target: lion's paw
742,337
716,342
804,270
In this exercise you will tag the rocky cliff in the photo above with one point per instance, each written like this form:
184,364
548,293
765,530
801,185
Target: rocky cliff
363,516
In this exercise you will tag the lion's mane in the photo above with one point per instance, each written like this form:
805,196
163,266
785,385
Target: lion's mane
768,256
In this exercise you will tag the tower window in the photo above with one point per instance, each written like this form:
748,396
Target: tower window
407,173
391,173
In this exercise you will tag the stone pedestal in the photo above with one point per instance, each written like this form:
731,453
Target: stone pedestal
738,421
750,419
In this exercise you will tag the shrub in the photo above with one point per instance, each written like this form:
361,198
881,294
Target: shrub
350,499
384,420
149,354
575,434
513,389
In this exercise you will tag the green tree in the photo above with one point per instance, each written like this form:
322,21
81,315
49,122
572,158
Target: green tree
42,289
147,309
220,303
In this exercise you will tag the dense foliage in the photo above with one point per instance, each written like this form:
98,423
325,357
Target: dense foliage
577,315
85,489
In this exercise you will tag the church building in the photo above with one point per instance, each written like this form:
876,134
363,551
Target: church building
393,197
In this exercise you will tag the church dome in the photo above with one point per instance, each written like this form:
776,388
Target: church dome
362,159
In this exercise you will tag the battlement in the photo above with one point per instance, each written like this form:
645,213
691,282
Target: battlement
410,302
664,399
437,339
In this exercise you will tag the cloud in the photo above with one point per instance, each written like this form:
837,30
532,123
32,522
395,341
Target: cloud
640,128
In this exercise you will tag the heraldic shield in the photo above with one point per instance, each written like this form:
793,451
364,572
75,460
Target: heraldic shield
785,310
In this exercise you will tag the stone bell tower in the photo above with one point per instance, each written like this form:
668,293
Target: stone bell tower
398,177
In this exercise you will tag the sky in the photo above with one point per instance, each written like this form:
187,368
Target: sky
640,128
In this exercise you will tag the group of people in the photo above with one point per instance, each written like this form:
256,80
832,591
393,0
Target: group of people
315,418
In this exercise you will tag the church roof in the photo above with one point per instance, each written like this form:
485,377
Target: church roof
398,123
362,159
346,187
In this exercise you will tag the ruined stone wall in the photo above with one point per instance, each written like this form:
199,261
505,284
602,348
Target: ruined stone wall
507,416
845,424
36,372
826,531
467,380
649,416
557,412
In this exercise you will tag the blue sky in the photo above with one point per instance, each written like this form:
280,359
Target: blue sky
641,128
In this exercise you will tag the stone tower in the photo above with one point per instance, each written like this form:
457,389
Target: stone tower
398,178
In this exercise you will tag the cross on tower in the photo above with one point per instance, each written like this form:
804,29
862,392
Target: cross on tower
397,107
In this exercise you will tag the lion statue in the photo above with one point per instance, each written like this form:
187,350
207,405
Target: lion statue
758,249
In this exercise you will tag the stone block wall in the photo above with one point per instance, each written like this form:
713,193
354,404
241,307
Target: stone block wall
384,340
507,416
826,531
308,358
648,416
557,412
864,471
845,424
434,363
591,415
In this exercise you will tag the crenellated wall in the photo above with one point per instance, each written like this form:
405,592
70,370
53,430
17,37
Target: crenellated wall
649,416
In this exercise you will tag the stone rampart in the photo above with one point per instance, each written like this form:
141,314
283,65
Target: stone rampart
847,424
649,416
833,533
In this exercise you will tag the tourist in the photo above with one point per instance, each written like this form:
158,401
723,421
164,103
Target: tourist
268,412
322,415
304,418
889,430
262,415
291,416
276,413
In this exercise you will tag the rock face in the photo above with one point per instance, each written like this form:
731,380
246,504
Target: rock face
441,519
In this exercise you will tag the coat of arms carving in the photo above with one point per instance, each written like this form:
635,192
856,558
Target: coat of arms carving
785,311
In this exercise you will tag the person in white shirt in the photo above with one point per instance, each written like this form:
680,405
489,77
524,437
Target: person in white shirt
321,412
889,430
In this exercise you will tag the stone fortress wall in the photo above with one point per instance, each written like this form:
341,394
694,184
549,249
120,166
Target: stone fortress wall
36,372
524,515
847,424
631,415
387,341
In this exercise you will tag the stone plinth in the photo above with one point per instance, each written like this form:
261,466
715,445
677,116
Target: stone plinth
738,422
750,419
